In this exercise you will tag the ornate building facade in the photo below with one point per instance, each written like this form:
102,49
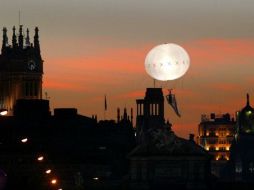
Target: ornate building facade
215,134
21,68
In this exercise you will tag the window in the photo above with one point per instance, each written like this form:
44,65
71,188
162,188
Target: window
251,167
238,167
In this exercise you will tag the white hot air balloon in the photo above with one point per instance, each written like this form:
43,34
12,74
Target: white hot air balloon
167,62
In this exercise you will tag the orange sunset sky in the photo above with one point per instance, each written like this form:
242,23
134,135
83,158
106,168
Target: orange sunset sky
96,47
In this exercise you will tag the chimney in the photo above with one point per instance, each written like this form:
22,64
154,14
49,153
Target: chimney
118,115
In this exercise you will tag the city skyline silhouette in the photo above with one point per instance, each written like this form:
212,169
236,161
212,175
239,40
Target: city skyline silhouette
94,48
79,108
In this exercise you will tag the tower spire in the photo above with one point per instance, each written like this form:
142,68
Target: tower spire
21,37
27,38
14,38
5,39
36,41
247,99
125,117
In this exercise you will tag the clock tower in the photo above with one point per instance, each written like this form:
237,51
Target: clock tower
21,68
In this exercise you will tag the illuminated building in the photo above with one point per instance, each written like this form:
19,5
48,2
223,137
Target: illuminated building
21,69
215,134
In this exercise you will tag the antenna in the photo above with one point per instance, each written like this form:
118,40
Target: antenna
19,16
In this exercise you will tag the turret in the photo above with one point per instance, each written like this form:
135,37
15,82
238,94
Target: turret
5,39
247,100
125,117
27,38
36,41
21,38
14,38
245,118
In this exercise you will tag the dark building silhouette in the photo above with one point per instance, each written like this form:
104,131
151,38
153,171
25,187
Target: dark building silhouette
21,68
242,149
150,113
79,151
162,160
65,150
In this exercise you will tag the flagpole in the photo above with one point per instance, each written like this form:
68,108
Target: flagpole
105,106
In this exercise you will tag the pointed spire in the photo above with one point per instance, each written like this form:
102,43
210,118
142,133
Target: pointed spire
14,38
27,38
5,39
125,114
21,38
36,40
247,99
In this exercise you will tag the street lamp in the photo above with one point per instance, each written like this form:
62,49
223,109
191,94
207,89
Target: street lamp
24,140
48,171
40,158
53,181
3,112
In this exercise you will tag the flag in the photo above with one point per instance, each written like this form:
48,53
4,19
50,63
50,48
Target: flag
172,101
105,103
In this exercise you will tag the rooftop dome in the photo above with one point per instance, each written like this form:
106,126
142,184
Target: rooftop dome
246,118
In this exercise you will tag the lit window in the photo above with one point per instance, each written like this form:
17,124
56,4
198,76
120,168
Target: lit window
251,167
248,113
238,167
